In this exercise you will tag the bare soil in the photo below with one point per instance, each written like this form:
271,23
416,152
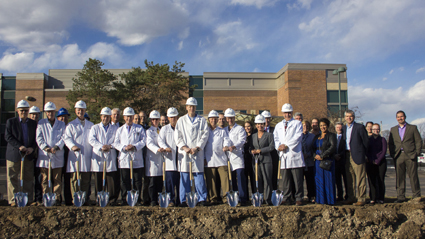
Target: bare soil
406,220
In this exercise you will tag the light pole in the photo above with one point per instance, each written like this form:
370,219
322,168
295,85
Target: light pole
338,72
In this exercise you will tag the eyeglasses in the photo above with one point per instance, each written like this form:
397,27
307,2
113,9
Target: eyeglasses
375,129
23,111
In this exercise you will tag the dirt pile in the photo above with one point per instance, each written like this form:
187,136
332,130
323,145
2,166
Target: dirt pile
405,220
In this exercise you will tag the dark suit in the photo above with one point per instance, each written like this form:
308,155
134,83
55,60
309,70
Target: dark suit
275,157
340,175
15,139
355,165
405,152
265,163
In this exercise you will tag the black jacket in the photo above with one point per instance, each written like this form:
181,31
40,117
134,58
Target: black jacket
15,138
328,148
266,144
358,143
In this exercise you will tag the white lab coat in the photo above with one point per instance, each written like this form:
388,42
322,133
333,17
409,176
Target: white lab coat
137,138
97,138
153,165
237,137
191,135
217,140
293,156
166,140
77,135
48,136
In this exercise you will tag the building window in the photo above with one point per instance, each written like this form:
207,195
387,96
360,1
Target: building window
242,112
8,83
333,96
199,112
198,93
198,81
334,109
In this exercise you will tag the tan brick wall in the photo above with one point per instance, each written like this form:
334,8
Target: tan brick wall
32,88
240,100
57,97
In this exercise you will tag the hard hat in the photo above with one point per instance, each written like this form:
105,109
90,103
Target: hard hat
49,106
287,108
62,111
80,105
106,111
229,113
212,114
86,116
128,111
172,112
191,101
23,104
266,114
259,119
154,115
34,110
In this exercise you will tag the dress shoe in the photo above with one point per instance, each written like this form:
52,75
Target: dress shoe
359,203
34,204
298,203
154,204
348,202
183,204
399,201
380,201
171,204
202,204
13,204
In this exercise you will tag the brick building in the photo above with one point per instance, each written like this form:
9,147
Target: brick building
312,89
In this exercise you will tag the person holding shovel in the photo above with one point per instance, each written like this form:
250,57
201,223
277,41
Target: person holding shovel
51,147
76,139
130,140
101,138
216,160
191,135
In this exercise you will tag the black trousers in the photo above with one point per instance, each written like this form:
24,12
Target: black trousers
138,174
340,177
66,180
38,191
110,185
155,187
309,175
376,178
292,177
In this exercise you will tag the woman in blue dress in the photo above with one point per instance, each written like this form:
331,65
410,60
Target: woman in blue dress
324,147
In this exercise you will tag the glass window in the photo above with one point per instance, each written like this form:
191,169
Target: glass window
5,116
242,111
220,111
198,93
198,81
334,109
9,95
9,104
8,84
333,96
200,105
199,112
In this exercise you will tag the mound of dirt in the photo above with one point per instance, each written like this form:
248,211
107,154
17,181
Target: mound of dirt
405,220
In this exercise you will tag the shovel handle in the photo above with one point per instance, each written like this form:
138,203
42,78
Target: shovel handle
190,169
278,168
50,166
230,171
163,171
22,169
256,170
131,169
78,169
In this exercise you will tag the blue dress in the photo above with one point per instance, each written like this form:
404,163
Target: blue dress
325,180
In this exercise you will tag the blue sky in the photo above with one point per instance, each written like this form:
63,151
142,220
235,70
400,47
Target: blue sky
382,42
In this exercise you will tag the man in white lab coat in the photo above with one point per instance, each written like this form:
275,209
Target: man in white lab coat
77,140
102,138
288,143
237,135
51,146
153,167
129,140
216,169
191,135
166,141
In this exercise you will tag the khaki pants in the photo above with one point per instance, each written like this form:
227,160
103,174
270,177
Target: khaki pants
13,179
211,175
356,179
56,183
85,178
403,165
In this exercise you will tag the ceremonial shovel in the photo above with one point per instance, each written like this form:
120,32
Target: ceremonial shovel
102,196
257,198
132,195
21,198
79,196
277,195
49,199
163,197
232,196
192,197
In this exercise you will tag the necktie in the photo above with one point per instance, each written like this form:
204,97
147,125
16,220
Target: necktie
128,129
337,145
286,126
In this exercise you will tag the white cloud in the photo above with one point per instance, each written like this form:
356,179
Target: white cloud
384,79
14,62
401,68
381,104
391,71
258,3
180,45
300,4
418,121
234,35
361,29
420,69
185,33
256,69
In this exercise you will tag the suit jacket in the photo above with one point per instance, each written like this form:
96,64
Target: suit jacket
358,143
15,138
266,144
411,143
274,154
340,148
328,148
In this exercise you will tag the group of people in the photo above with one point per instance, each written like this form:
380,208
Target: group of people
207,149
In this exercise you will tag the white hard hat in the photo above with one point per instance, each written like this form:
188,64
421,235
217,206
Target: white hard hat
191,101
259,119
23,104
154,115
172,112
266,114
106,111
287,108
213,114
34,110
229,113
128,111
49,106
80,105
